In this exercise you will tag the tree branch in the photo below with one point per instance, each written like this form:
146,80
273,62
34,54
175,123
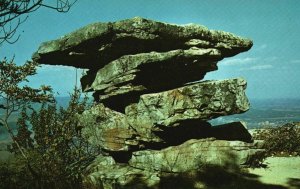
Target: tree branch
11,11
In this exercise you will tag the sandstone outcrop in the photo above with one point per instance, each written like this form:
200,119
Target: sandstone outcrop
132,75
193,154
151,112
97,44
203,101
149,119
108,129
152,168
122,56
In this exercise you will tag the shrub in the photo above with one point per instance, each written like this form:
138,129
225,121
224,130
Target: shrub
281,141
56,151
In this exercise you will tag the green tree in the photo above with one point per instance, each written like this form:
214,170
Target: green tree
23,136
59,142
59,154
15,95
48,146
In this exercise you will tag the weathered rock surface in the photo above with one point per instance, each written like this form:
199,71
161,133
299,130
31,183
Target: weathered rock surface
189,162
168,118
133,75
105,173
193,154
97,44
111,131
199,101
137,56
107,129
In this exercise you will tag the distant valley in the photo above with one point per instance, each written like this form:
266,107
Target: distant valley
266,112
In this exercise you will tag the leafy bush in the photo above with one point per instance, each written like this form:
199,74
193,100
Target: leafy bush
281,141
56,152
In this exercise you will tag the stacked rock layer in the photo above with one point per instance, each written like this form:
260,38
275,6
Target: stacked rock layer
152,111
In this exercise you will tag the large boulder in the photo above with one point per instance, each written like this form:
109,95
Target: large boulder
200,101
97,44
194,154
169,118
184,166
130,76
132,57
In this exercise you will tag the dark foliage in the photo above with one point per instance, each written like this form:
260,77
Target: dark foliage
48,147
15,95
281,141
56,151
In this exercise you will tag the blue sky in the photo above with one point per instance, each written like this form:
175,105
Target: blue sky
271,67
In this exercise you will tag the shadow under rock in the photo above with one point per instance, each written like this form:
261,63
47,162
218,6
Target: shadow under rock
229,175
294,183
212,177
199,129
